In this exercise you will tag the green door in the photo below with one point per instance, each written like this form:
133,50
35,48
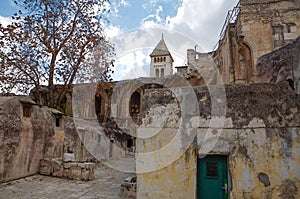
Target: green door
212,177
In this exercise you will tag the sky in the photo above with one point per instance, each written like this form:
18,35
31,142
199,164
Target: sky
136,26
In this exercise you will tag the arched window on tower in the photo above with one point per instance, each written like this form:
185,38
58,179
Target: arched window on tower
162,72
164,58
157,72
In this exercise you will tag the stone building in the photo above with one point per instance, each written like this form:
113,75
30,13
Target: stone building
226,126
281,65
238,140
161,60
220,139
251,150
252,29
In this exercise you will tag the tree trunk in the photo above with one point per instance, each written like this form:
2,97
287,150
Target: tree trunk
51,81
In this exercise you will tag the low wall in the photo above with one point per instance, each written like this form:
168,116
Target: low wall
70,170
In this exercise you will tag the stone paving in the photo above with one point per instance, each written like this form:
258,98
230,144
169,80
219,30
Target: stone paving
105,186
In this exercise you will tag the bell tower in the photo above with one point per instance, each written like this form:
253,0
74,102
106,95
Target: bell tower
161,60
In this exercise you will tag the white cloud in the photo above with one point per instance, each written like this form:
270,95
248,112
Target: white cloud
151,24
131,65
112,31
115,5
5,20
199,19
196,22
124,3
134,47
153,20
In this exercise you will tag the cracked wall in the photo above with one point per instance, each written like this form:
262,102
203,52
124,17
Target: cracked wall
260,136
255,29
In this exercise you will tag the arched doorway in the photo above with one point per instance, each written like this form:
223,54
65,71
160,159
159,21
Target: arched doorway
135,106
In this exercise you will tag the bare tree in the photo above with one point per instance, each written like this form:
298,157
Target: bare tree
55,42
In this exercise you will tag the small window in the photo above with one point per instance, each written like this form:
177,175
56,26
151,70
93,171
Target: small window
278,32
212,170
129,143
26,110
157,72
277,29
57,122
291,84
291,27
162,72
164,58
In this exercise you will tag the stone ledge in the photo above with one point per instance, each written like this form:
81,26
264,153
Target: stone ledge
70,170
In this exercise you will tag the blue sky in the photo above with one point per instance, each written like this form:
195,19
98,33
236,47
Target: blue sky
136,27
129,14
7,8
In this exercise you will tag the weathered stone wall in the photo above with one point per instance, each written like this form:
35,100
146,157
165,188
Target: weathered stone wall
73,143
281,65
22,138
87,140
259,28
65,139
258,19
202,69
29,134
123,91
260,136
223,56
177,180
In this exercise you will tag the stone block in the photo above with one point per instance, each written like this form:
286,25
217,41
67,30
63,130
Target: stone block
67,173
86,165
92,174
69,157
68,165
57,168
85,175
75,174
45,167
79,171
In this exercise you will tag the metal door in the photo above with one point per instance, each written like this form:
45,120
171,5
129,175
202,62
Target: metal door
212,177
